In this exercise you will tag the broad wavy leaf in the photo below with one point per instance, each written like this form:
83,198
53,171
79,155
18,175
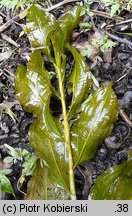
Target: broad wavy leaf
48,143
114,184
38,26
64,26
33,85
80,81
94,123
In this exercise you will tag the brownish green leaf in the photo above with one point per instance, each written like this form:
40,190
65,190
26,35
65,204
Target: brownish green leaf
33,85
94,123
79,81
34,89
114,184
45,135
38,191
48,143
45,190
42,28
64,26
60,35
38,26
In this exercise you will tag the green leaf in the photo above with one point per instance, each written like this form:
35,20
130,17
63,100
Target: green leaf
125,33
24,153
31,158
13,152
60,35
48,142
64,26
5,171
15,4
44,190
129,155
50,137
94,123
107,2
114,8
107,44
45,136
37,191
35,89
129,5
114,184
42,29
85,52
10,3
28,169
8,159
5,184
80,81
38,26
29,164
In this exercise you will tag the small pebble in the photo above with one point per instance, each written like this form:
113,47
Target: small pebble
122,156
111,142
2,137
14,135
120,89
102,153
5,128
123,56
127,98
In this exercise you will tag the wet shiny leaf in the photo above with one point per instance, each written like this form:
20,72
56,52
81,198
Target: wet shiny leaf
60,35
114,184
48,143
64,26
38,26
38,191
5,184
45,190
42,28
94,123
33,85
34,89
45,135
80,81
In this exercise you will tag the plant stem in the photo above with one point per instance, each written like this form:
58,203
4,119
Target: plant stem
61,4
67,136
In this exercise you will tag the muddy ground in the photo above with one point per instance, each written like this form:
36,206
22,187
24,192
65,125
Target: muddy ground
117,67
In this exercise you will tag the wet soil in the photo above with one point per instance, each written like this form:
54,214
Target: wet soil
112,151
